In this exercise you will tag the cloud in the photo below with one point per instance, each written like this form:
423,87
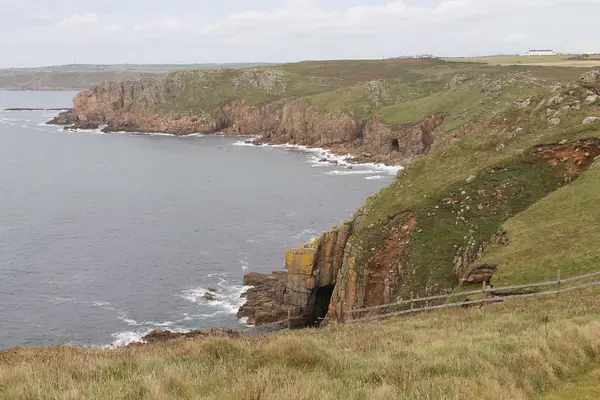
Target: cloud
515,38
289,30
80,19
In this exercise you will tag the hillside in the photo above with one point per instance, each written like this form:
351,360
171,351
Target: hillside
500,187
380,111
82,76
483,144
528,349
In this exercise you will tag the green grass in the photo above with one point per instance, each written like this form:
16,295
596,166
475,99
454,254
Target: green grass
517,350
461,105
557,233
580,388
516,59
503,139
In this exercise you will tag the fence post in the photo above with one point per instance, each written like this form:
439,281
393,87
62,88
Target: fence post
558,283
483,294
289,319
412,304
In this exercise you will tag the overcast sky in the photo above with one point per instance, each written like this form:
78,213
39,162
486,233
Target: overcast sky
49,32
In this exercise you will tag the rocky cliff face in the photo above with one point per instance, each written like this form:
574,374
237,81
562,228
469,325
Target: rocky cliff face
344,270
155,105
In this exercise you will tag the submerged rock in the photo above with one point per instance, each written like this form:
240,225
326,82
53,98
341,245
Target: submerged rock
210,297
82,125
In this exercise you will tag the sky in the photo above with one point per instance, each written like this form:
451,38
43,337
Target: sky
53,32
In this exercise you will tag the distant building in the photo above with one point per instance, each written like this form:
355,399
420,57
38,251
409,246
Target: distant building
542,52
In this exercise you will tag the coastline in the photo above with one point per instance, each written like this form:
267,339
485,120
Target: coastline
314,156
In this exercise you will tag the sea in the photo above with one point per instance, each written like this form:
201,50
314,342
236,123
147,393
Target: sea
105,237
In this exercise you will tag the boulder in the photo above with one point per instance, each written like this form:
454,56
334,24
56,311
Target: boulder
264,301
591,99
590,120
482,273
471,179
591,76
554,122
555,100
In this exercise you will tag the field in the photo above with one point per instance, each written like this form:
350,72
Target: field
558,60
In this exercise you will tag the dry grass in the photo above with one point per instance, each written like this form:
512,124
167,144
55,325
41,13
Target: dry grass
517,350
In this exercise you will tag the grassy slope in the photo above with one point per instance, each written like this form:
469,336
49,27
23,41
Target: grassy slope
559,232
426,356
461,153
515,59
402,92
516,350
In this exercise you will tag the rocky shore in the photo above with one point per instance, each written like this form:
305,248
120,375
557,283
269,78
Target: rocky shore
139,106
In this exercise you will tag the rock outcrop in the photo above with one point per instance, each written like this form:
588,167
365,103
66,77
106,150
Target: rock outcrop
305,288
158,336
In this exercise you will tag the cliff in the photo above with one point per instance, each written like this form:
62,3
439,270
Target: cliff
470,136
246,103
426,234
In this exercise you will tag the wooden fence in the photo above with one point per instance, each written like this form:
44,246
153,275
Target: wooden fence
488,295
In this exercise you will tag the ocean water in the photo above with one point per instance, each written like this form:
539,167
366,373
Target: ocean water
104,237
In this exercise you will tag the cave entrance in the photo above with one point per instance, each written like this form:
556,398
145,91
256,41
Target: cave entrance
395,145
322,300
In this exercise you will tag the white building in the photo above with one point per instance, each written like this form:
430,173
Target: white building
542,52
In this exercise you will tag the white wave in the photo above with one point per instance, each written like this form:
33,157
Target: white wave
247,142
129,321
322,157
61,300
6,121
229,297
375,178
127,337
309,235
154,324
353,172
219,274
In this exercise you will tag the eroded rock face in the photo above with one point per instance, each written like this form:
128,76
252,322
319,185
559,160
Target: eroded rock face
265,300
480,274
578,155
308,269
365,275
143,106
373,284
